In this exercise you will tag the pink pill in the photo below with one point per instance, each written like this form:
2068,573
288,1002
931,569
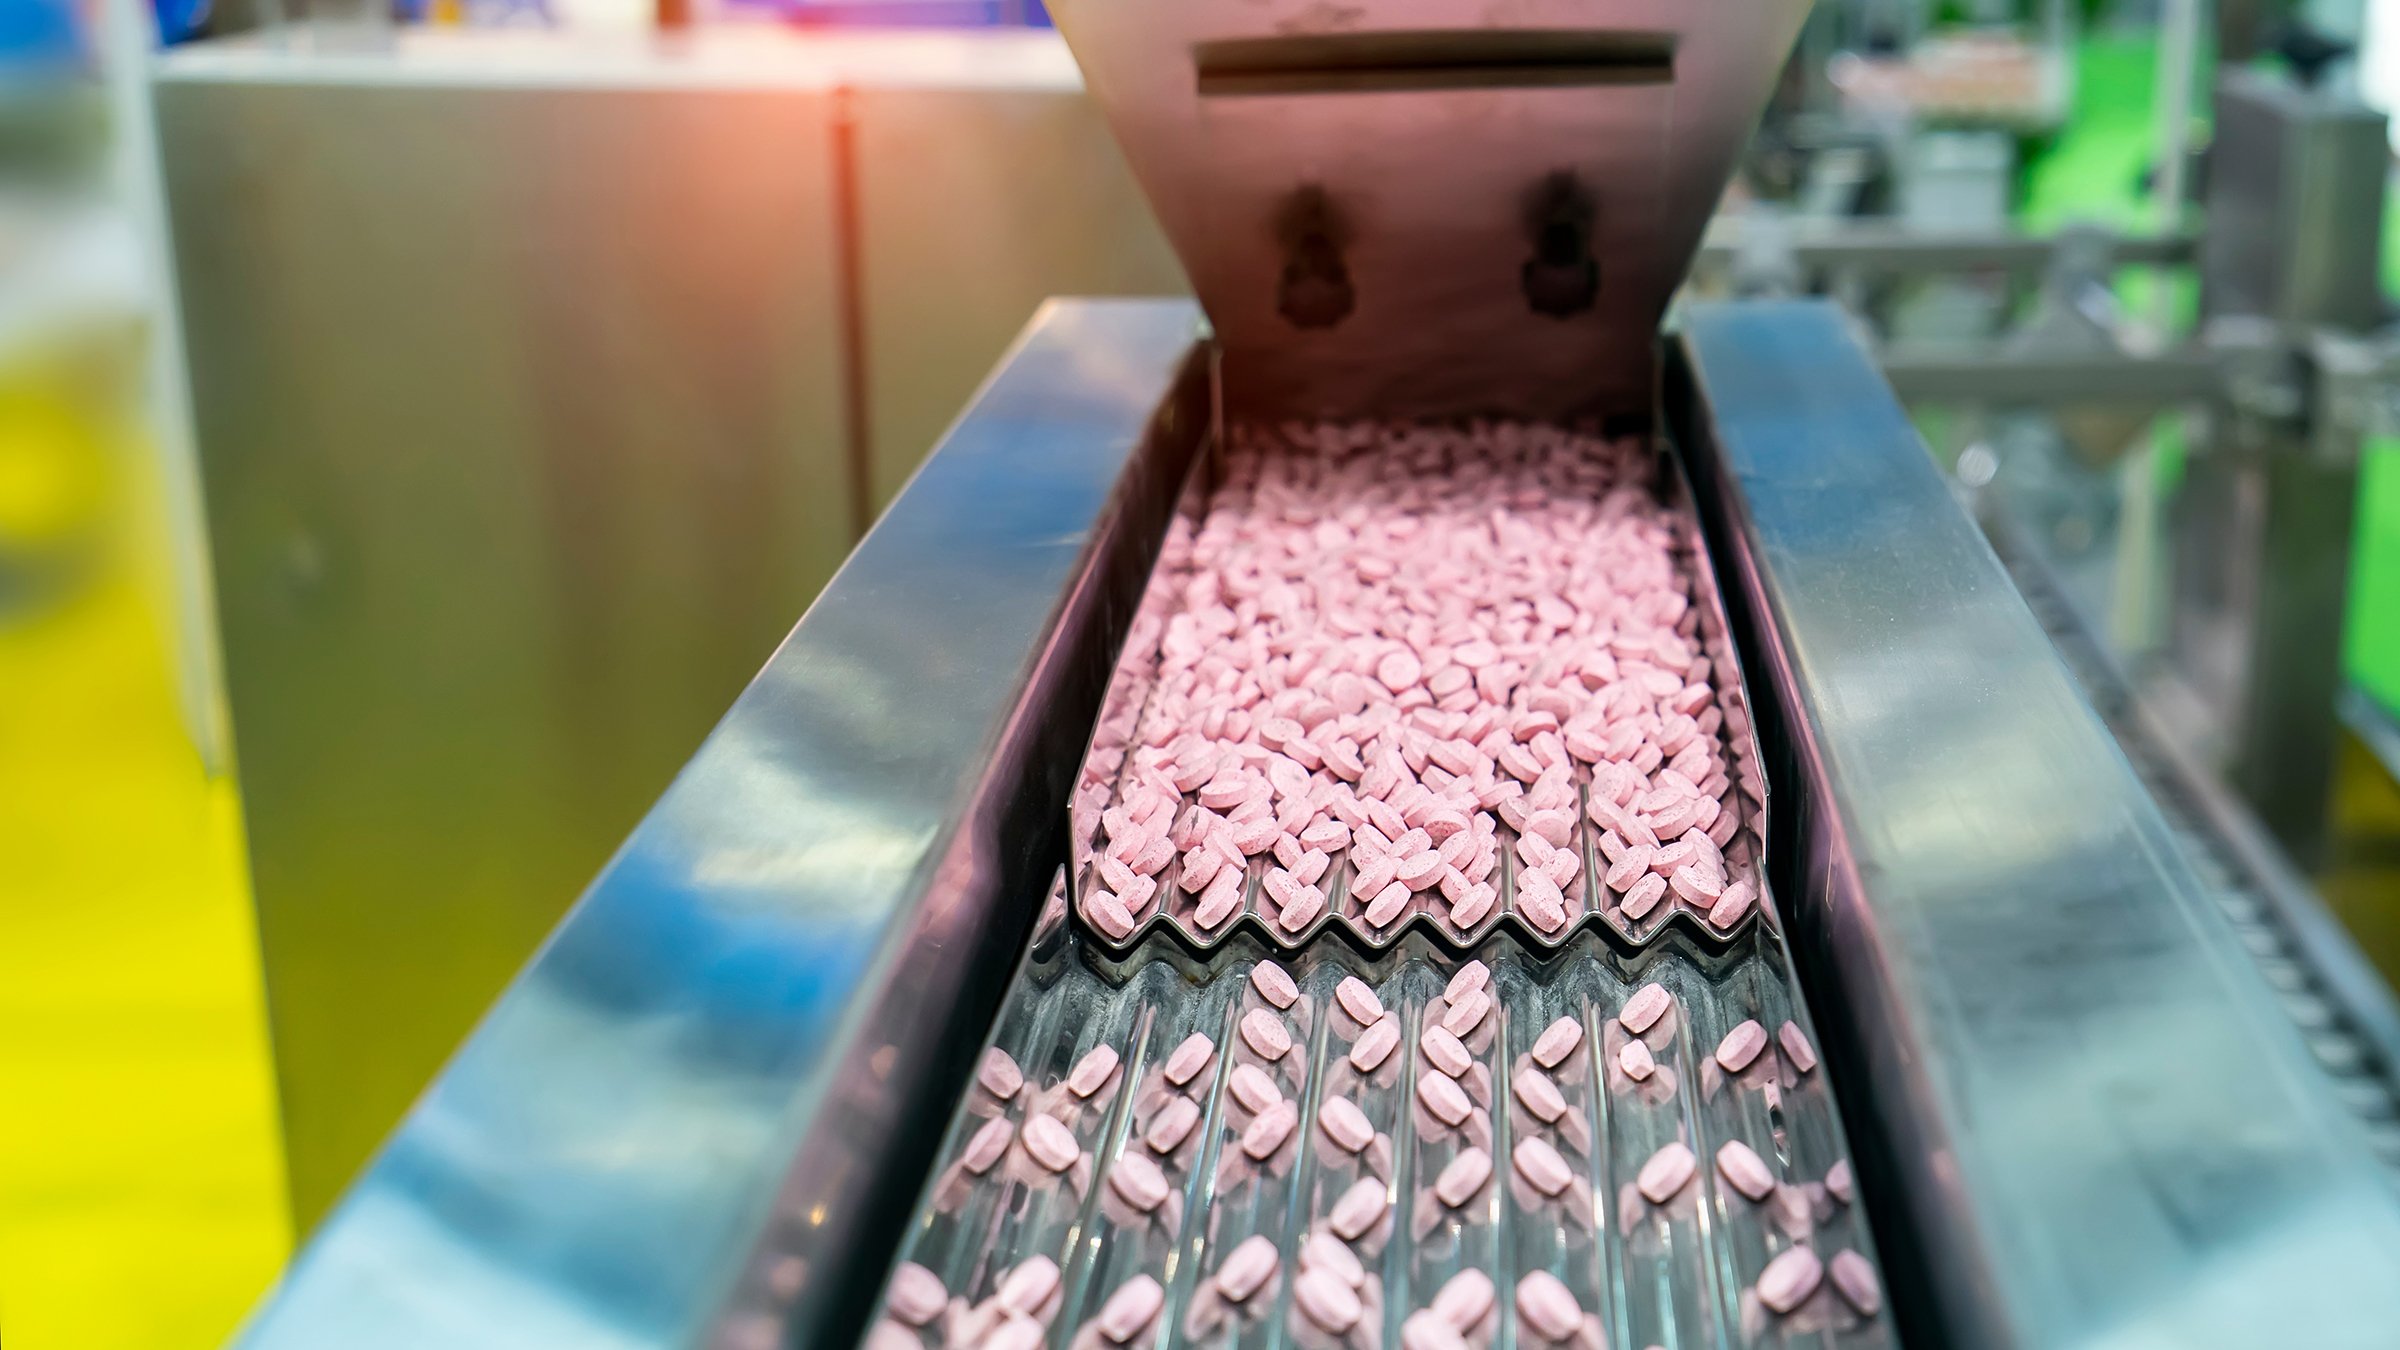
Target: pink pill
1838,1182
917,1295
1540,904
1306,905
1642,1011
1247,1267
1220,901
1324,1251
1264,1033
1388,904
1644,896
1635,1061
1050,1143
1854,1278
1666,1172
1186,1061
1744,1170
1789,1279
1274,984
1093,1070
887,1334
1250,1086
986,1146
1467,1015
1741,1045
1345,1124
1359,1209
1358,999
1130,1311
1539,1095
1465,1300
1476,907
1420,870
1029,1286
1548,1306
1443,1050
1541,1166
1557,1041
1733,906
1463,1177
1323,1298
1469,977
999,1074
1267,1133
1375,1044
1444,1098
1427,1330
1172,1125
1138,1181
1796,1048
1014,1332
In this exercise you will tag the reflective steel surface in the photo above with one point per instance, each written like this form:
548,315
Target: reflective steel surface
1427,207
2088,1123
793,955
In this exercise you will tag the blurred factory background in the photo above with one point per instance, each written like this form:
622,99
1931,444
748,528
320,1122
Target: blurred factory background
416,426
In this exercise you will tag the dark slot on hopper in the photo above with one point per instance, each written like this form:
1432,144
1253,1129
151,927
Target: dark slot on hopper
1405,62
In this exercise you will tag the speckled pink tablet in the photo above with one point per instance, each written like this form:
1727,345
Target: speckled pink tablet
1854,1278
1539,1095
1307,903
1108,914
1250,1085
1838,1182
1744,1170
1444,1098
1733,906
1131,1309
1186,1061
1093,1070
1789,1279
1642,1011
1467,978
1027,1287
917,1295
1324,1251
1741,1046
1557,1041
1247,1267
1635,1061
1050,1143
1465,1300
1666,1172
1138,1181
1644,896
1323,1298
1463,1177
1345,1124
1172,1125
1267,1133
1465,1016
1541,1166
1358,1209
1476,907
1274,984
1220,901
999,1074
1375,1044
1358,1000
1443,1050
1548,1306
1796,1049
1264,1033
1388,904
1429,1330
986,1145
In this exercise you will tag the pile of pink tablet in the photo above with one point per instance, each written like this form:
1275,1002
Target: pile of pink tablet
1390,656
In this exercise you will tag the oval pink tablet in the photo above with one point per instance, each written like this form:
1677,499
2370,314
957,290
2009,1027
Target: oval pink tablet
1358,1209
1796,1049
1030,1285
1465,1300
1666,1172
1108,914
1186,1061
1014,1332
999,1074
1093,1070
1741,1046
1358,1000
1642,1011
1557,1041
917,1295
1539,1095
1138,1181
1172,1125
1306,904
1635,1061
1345,1124
1388,904
1838,1182
1644,896
1548,1306
1274,984
1854,1278
1250,1085
1220,901
1789,1279
1375,1044
1744,1170
1444,1098
1050,1143
1247,1267
986,1145
1323,1298
1131,1309
1429,1330
1733,905
1324,1251
1267,1133
1264,1033
1466,1016
1466,979
1477,906
1463,1177
1541,1166
1443,1050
